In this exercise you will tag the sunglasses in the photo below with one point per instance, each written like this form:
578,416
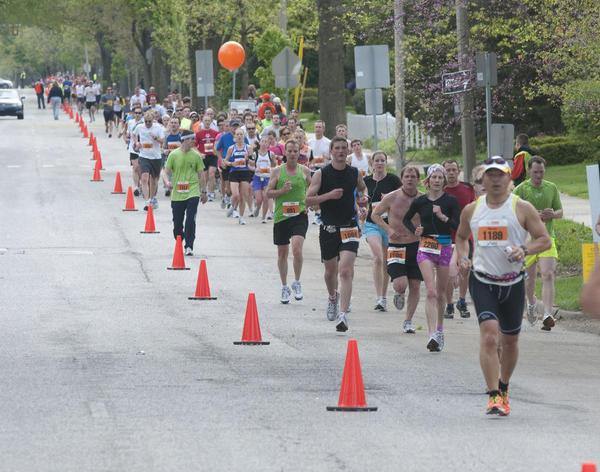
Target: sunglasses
250,129
494,160
178,109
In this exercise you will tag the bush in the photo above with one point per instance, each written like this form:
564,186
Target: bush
358,101
561,150
310,100
569,238
386,145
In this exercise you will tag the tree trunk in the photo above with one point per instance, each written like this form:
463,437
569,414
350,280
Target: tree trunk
332,98
399,83
105,47
143,43
467,127
244,67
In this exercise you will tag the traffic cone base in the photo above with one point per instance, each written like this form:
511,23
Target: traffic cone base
352,393
149,232
251,335
178,259
202,287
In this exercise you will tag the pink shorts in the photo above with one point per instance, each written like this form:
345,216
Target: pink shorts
442,259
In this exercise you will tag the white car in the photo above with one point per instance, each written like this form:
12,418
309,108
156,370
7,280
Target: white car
5,84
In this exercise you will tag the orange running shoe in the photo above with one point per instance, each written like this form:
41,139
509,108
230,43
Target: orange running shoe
505,403
495,406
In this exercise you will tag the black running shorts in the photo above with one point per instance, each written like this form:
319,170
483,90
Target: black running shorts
285,229
410,268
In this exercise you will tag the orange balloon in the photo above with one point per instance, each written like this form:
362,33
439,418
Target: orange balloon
231,55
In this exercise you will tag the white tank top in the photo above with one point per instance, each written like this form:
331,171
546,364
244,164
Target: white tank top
361,164
494,230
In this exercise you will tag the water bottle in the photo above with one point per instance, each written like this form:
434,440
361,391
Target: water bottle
508,250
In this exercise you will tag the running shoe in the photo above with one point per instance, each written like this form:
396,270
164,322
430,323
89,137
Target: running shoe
155,203
223,203
236,214
332,307
449,314
461,306
285,294
381,304
407,327
229,212
251,214
433,345
317,219
548,322
399,300
297,288
531,313
440,339
495,406
189,251
242,221
167,192
211,197
269,215
148,203
505,402
136,191
264,220
342,323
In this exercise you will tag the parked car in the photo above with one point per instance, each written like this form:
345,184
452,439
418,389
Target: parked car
5,84
11,104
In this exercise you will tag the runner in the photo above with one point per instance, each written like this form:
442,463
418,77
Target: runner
333,189
358,158
150,138
118,105
288,186
172,142
185,168
67,85
240,173
224,142
132,124
97,86
205,143
264,161
90,100
401,254
80,95
107,100
439,213
379,184
464,193
543,195
499,222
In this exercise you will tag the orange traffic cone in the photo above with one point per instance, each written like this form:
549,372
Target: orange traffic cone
94,144
94,155
97,173
129,205
178,261
251,334
99,160
202,288
85,131
588,467
77,117
118,186
91,140
70,113
352,393
150,228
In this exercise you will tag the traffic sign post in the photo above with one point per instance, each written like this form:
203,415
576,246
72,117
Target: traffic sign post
286,68
372,70
205,86
502,140
487,76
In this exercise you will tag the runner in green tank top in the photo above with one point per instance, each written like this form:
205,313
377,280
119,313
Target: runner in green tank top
288,186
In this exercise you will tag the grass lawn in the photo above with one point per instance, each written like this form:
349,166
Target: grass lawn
571,179
567,292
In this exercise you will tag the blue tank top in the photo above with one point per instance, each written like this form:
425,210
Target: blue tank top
239,154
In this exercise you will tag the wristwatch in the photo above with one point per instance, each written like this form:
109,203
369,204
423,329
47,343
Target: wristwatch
525,250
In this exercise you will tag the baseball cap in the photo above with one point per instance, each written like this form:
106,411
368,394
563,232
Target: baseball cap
276,100
265,96
496,162
194,113
234,123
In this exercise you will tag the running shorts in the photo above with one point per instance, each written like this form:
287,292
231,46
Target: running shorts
409,268
285,229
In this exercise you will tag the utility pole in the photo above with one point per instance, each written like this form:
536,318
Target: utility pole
467,127
399,83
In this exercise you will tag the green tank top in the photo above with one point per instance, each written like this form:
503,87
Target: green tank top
292,203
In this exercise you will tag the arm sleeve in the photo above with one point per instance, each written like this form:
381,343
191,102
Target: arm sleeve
408,216
556,203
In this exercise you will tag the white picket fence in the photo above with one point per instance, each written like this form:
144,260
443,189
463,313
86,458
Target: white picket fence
361,127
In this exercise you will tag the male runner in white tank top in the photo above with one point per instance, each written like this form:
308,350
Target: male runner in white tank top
499,222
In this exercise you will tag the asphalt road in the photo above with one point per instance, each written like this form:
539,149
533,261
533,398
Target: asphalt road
107,365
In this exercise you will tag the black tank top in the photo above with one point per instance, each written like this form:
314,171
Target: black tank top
338,212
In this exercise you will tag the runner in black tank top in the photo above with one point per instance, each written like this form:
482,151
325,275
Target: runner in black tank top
332,188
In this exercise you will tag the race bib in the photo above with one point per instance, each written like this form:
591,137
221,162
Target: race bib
349,235
183,187
291,208
319,161
239,162
396,255
493,233
109,103
173,145
208,148
265,171
147,145
430,246
374,205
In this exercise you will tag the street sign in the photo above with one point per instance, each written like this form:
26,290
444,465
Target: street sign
286,68
205,86
373,102
372,66
241,105
487,69
87,68
456,82
502,140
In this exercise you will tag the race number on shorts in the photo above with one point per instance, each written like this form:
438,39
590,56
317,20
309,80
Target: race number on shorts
349,235
492,233
430,246
396,255
291,208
